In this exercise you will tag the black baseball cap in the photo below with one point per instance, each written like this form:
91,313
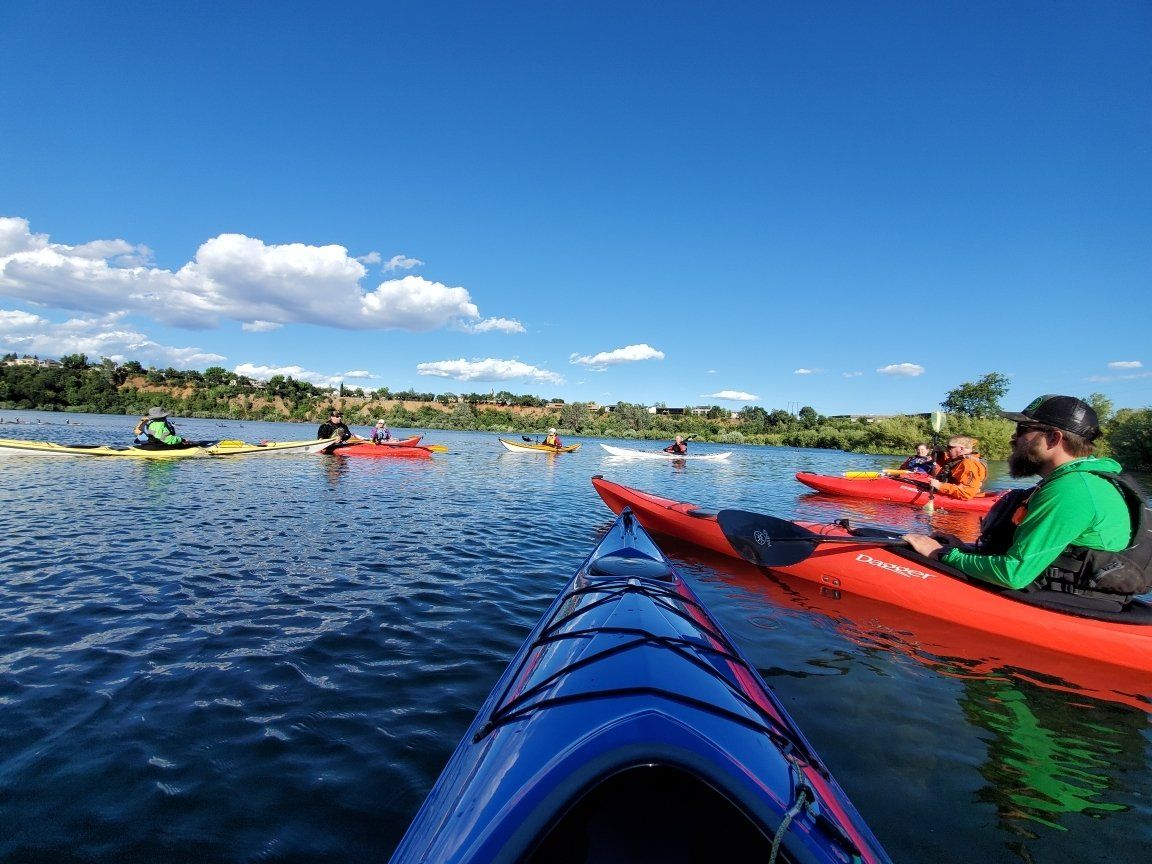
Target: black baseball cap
335,412
1060,412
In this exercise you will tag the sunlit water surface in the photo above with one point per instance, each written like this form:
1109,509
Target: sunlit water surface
271,658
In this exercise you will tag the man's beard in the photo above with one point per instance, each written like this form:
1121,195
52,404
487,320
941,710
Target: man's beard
1024,463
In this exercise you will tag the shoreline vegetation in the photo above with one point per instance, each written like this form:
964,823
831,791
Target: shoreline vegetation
75,385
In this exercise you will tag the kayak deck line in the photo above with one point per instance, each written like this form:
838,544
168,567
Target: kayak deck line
515,709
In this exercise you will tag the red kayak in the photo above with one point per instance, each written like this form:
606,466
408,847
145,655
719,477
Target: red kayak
869,566
900,491
390,449
410,441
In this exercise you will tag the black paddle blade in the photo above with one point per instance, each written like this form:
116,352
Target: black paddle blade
526,438
766,540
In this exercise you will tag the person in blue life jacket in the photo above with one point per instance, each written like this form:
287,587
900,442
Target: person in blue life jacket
156,430
381,433
922,462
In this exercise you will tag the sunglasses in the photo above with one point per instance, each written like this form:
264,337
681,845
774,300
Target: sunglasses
1025,428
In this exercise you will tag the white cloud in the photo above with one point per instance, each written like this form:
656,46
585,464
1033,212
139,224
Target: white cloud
263,373
260,326
803,371
909,370
853,374
1125,364
503,325
487,370
104,336
232,277
400,262
370,258
731,396
629,354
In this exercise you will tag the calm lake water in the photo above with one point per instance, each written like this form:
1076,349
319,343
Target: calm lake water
271,658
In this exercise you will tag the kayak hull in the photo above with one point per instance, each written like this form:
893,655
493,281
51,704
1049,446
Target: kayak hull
629,453
891,489
626,697
900,577
526,447
376,451
10,446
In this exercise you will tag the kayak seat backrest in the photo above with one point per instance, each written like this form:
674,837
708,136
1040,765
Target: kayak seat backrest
629,562
702,513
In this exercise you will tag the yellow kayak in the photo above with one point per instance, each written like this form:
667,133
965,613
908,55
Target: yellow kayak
10,446
529,447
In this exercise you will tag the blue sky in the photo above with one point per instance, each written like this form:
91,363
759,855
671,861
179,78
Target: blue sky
853,206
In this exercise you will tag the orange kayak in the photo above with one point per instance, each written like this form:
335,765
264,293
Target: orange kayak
869,565
898,490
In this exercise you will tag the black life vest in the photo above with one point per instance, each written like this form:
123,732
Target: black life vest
1079,570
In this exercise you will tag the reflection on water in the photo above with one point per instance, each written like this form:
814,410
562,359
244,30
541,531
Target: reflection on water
1045,761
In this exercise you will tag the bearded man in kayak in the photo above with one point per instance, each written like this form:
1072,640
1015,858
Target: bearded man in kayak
157,429
1061,534
962,472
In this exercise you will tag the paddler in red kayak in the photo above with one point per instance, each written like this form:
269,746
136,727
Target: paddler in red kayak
962,472
1072,532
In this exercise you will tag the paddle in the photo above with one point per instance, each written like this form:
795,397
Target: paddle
937,425
771,542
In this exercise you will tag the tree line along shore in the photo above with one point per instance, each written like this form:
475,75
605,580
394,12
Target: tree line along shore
73,384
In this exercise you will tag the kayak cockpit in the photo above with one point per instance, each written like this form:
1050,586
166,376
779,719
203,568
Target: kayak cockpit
657,814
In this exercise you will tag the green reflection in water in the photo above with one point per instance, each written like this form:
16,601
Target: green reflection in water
1047,757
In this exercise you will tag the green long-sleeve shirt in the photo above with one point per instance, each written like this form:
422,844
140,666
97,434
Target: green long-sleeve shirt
158,429
1074,507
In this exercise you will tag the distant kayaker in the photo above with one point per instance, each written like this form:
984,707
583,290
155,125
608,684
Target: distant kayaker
156,430
921,462
381,434
678,447
962,472
552,439
335,427
1064,533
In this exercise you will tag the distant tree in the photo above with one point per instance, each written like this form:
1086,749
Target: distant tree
1130,438
808,417
778,418
979,399
215,376
573,415
1103,407
77,362
753,418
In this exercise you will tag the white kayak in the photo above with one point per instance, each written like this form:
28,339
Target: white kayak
628,453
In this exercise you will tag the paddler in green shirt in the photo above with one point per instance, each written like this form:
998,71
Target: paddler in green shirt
157,429
1071,510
